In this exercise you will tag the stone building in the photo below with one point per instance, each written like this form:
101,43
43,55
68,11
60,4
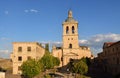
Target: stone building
23,51
110,57
70,48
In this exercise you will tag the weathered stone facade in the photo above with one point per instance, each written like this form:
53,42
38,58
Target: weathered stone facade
70,48
110,57
2,74
23,51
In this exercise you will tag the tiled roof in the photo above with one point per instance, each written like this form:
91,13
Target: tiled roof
109,43
70,19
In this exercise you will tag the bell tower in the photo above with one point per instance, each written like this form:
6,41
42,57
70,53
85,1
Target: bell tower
70,49
70,32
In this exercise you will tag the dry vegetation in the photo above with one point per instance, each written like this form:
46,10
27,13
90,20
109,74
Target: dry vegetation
5,64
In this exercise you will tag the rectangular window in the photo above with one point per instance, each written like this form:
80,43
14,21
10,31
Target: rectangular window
19,58
113,49
113,59
28,48
19,68
29,57
117,60
19,49
117,48
105,53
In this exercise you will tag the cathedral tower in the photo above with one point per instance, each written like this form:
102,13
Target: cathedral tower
70,32
70,48
70,39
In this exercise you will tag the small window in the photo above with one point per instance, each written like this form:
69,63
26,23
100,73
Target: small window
70,45
73,30
117,48
28,48
117,60
29,57
19,58
67,30
113,58
19,49
113,49
105,52
19,68
61,58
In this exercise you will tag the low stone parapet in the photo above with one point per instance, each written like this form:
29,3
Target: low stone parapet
2,74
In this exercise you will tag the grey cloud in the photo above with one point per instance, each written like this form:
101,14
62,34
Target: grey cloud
4,53
96,42
4,38
51,43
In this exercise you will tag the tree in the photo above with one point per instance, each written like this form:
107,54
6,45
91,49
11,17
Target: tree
46,60
80,67
49,61
31,68
56,61
86,60
47,47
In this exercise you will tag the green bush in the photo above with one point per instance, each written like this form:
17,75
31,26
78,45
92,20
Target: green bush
86,60
49,61
46,60
47,76
80,67
56,61
31,68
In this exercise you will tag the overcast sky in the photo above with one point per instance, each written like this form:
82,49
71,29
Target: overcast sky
41,21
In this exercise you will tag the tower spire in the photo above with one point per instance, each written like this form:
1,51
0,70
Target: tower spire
70,17
69,14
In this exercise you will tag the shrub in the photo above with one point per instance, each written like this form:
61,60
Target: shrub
80,67
31,68
86,60
49,61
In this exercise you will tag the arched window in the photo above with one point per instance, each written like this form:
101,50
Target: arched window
67,30
73,29
70,45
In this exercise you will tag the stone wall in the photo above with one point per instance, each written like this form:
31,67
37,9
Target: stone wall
2,74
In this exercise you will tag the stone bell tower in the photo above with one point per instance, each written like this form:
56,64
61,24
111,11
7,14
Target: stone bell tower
70,32
70,39
70,49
